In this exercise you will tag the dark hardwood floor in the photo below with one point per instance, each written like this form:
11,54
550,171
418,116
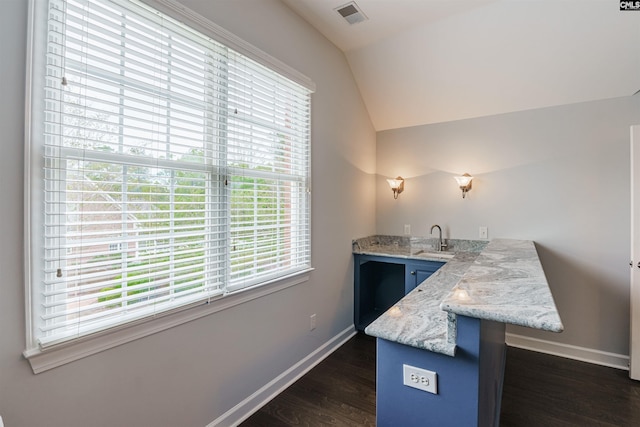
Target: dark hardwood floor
544,390
539,391
339,391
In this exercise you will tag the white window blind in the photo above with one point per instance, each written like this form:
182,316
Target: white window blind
174,169
268,170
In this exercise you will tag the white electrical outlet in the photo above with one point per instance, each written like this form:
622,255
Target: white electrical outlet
420,378
312,322
484,232
407,229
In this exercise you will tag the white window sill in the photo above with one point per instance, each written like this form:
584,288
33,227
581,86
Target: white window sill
58,355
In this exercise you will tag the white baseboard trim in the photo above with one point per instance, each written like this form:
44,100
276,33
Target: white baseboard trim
583,354
257,400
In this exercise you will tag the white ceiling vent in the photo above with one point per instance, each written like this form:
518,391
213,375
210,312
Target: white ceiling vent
352,13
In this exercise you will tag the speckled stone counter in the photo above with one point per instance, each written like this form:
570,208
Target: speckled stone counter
506,283
414,247
501,281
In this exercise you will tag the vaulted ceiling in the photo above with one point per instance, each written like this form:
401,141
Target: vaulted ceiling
428,61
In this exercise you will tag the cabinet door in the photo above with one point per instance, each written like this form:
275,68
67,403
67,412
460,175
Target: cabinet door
634,356
418,272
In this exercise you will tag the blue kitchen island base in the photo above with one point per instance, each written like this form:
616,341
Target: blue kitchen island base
469,384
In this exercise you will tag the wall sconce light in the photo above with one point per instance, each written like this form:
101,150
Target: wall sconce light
464,182
397,186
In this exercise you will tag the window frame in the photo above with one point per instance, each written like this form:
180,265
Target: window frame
76,348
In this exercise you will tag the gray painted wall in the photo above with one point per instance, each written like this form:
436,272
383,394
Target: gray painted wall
558,176
192,374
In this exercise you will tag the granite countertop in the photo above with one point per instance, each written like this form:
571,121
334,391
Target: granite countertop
501,281
415,247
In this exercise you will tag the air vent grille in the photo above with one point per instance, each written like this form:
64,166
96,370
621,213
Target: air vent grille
351,13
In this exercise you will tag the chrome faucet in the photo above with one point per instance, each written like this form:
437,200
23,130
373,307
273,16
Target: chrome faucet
441,244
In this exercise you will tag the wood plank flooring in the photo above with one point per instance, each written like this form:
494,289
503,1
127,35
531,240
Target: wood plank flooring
539,391
544,390
339,391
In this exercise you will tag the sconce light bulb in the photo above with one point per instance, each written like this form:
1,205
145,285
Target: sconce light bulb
397,185
464,182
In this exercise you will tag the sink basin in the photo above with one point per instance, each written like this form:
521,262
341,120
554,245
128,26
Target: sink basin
433,254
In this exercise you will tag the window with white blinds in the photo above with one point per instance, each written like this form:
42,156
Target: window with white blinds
173,169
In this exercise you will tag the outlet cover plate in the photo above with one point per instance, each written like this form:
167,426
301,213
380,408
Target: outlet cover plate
419,378
312,322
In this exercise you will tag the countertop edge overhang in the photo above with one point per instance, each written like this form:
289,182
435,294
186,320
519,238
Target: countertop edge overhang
504,282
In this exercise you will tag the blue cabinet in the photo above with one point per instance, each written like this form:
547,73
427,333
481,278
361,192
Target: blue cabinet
419,271
469,384
381,281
